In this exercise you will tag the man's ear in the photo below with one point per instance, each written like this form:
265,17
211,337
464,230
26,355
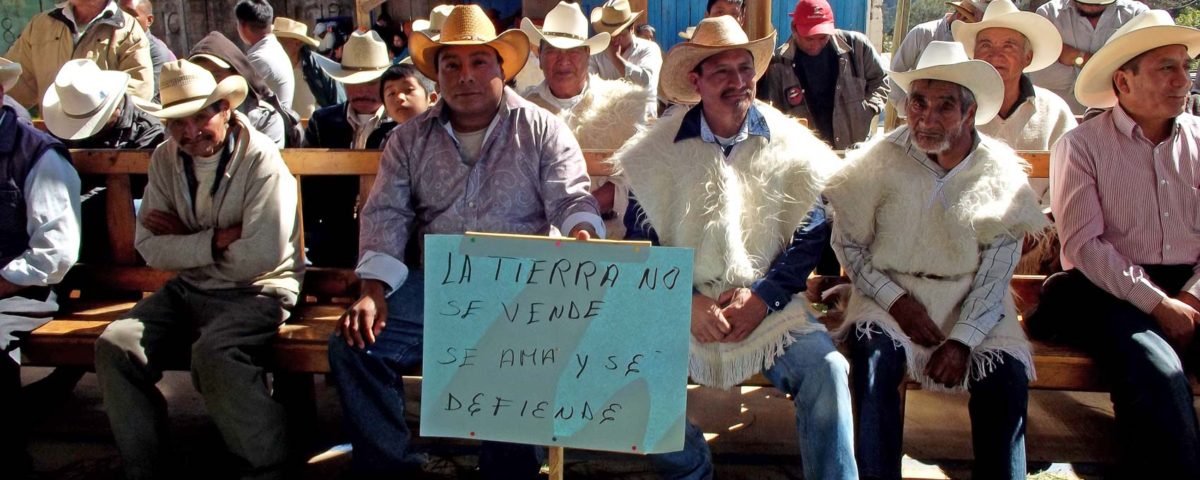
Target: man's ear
970,116
149,21
694,79
1121,81
433,98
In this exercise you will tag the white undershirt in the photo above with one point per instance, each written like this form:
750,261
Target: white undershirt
205,169
470,144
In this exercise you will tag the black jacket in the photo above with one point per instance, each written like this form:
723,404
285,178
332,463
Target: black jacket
328,128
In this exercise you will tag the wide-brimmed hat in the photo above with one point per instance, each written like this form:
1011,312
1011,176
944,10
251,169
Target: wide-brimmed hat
10,72
687,33
186,88
712,36
1145,32
968,8
1096,2
565,27
948,61
468,25
287,28
1041,34
82,99
364,59
433,26
613,17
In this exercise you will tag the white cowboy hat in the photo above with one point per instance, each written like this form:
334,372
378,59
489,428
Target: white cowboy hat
82,99
186,88
10,72
687,34
468,25
1147,31
433,26
1041,34
1097,2
565,27
287,28
947,61
364,59
712,36
613,17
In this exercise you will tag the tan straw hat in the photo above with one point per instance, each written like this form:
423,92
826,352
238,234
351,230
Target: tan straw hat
948,62
613,17
565,27
82,99
1145,32
468,25
437,18
1041,34
687,33
288,28
970,9
364,59
10,72
185,88
712,36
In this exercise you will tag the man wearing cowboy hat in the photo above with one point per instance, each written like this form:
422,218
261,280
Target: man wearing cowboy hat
915,41
143,12
254,21
831,77
603,114
1126,209
627,56
724,178
90,108
439,175
733,8
313,87
1084,26
39,242
929,222
9,73
220,209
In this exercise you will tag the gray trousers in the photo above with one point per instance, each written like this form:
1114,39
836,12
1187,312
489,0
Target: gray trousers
227,330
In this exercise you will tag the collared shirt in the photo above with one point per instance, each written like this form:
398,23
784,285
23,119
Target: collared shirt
643,61
530,177
565,106
1078,32
52,212
363,128
271,62
914,43
984,306
1121,202
788,274
77,31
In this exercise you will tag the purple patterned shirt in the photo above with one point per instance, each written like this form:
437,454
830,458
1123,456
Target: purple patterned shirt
530,176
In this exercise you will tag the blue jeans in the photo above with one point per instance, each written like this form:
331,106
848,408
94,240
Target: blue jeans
371,390
998,407
814,373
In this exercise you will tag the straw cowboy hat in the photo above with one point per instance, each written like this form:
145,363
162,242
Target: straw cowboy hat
613,17
1097,2
10,71
687,34
969,9
1041,34
565,28
1145,32
947,61
186,88
468,25
82,99
712,36
437,18
288,28
364,59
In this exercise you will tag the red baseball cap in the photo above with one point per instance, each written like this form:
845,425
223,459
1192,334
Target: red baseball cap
812,17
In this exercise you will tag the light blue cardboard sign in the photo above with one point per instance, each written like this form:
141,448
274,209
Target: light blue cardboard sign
561,343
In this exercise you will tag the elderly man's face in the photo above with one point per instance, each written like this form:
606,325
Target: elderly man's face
363,97
1158,84
565,69
203,133
725,7
935,115
470,79
1005,49
726,81
811,45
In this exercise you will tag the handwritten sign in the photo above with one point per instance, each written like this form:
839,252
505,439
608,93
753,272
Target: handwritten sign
556,342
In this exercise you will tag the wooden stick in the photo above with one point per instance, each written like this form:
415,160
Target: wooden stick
556,463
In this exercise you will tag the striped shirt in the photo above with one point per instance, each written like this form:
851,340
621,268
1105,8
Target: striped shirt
1121,202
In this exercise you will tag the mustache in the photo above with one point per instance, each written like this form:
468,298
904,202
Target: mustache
364,99
203,137
729,92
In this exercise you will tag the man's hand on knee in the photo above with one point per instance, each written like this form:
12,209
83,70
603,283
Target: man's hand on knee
915,322
948,365
744,310
1178,322
708,324
366,317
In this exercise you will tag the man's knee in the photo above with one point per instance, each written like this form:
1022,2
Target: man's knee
118,341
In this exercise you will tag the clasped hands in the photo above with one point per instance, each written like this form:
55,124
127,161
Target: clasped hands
730,318
949,363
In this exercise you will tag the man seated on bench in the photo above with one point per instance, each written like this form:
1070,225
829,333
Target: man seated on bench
1127,209
929,222
39,242
220,209
727,179
603,114
482,159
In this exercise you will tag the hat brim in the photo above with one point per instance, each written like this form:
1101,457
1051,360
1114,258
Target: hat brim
9,75
215,60
232,88
305,39
1101,2
977,75
1042,35
684,56
1094,88
68,127
826,28
345,75
512,46
596,44
599,26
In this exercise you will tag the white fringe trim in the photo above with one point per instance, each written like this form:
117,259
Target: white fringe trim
724,365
